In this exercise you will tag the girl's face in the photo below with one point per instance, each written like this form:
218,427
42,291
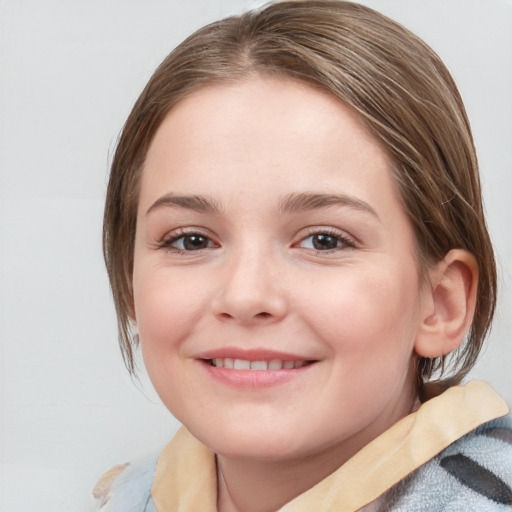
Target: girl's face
270,236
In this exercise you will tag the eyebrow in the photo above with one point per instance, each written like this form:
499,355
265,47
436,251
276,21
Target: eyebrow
297,202
201,204
291,203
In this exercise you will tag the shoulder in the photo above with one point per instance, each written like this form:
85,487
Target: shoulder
481,462
126,487
474,473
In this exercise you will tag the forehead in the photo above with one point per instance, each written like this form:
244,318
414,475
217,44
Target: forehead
260,130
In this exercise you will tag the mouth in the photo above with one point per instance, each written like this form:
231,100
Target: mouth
261,365
254,369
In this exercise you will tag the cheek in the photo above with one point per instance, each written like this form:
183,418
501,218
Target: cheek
166,310
370,314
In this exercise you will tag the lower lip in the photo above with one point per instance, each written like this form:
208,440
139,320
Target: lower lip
254,379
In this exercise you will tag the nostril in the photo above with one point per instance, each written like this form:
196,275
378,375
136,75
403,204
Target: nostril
263,314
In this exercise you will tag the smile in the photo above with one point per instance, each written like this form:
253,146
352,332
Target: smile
258,372
244,364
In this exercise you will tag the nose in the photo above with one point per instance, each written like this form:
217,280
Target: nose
251,290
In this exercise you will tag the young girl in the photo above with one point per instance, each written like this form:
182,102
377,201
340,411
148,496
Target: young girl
294,232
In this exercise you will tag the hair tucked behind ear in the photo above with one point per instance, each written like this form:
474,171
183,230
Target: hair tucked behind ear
394,81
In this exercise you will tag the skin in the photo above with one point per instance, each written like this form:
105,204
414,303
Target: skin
262,280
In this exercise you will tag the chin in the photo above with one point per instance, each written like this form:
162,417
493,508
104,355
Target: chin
256,443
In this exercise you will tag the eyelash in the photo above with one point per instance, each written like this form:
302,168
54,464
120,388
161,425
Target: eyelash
345,241
167,243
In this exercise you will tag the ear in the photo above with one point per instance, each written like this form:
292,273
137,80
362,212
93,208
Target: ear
449,305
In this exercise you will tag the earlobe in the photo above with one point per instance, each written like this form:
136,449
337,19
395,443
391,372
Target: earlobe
450,305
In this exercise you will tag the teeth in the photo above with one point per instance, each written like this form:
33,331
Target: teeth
242,364
275,364
259,365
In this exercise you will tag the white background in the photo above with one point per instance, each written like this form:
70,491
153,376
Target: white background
69,74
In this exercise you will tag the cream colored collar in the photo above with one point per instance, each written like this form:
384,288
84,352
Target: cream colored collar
186,479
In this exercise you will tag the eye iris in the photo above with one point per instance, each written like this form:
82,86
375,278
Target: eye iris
195,242
324,242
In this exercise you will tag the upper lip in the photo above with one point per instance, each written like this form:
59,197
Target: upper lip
250,354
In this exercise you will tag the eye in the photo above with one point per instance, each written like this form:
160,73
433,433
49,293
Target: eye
188,242
326,241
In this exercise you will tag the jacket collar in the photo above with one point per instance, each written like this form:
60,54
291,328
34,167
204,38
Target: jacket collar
186,478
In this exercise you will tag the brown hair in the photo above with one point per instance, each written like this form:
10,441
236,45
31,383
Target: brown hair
396,83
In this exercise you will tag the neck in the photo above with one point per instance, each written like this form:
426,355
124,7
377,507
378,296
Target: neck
267,485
